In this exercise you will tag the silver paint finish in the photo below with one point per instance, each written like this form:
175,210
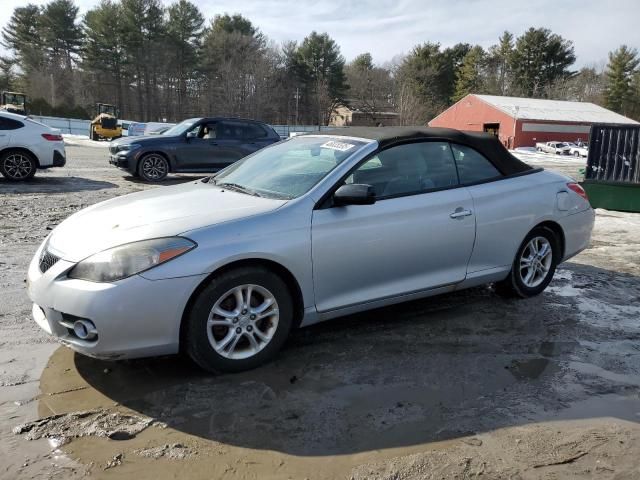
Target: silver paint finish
396,246
343,259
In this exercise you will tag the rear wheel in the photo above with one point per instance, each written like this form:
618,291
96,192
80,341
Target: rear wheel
576,154
239,321
94,136
17,166
534,265
153,167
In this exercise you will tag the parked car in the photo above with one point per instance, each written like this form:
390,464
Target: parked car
195,145
578,150
559,148
308,229
27,145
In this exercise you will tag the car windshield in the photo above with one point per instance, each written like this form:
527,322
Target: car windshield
288,169
181,128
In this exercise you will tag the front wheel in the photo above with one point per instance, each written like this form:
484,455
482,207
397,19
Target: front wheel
17,166
576,154
153,167
534,265
239,321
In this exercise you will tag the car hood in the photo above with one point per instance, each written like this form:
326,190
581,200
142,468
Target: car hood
154,213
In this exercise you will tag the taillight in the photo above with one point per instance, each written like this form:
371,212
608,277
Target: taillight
52,137
578,189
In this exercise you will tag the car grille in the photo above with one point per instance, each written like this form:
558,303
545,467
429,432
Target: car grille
47,260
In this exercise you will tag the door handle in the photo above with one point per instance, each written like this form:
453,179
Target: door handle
460,213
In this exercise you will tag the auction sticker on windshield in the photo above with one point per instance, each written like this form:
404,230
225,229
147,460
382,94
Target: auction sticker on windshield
341,146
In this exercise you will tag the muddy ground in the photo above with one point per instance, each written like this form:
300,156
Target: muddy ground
466,385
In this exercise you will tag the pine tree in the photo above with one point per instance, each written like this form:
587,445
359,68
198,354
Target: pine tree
144,31
619,94
471,73
539,59
498,72
22,36
104,53
184,28
320,66
61,33
7,77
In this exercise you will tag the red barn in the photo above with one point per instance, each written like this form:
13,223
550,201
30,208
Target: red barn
521,122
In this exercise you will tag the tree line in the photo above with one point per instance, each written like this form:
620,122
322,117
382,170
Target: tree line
160,63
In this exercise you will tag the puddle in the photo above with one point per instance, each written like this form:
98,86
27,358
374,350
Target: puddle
530,369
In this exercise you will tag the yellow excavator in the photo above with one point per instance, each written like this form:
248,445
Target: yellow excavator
105,124
14,102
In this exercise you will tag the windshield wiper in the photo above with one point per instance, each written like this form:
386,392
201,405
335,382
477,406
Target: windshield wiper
238,188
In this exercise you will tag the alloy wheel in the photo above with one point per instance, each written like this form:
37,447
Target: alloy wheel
154,167
243,321
535,261
18,166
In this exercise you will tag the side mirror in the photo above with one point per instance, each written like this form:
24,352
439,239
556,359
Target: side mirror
354,194
191,135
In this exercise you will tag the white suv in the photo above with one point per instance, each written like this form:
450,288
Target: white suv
26,145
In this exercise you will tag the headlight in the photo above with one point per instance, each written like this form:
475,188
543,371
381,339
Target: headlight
128,147
126,260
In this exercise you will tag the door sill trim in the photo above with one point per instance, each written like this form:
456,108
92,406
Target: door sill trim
382,302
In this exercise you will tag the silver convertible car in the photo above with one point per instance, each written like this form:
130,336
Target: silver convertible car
308,229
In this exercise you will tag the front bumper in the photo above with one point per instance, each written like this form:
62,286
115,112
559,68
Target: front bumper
120,161
134,317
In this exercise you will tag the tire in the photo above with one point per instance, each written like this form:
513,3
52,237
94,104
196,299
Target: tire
576,154
214,347
17,166
539,149
94,136
153,167
517,284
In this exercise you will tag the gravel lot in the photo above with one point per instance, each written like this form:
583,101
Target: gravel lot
458,386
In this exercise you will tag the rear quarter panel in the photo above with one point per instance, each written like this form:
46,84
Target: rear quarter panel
506,210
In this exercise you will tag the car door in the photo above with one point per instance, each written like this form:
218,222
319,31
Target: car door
418,235
229,146
502,207
255,137
194,152
9,128
4,133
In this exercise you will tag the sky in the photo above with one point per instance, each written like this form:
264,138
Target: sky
387,28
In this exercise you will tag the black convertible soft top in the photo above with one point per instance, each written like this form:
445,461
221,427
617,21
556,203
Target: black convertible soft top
485,143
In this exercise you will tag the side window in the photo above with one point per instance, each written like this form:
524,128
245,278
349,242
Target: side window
230,130
472,166
254,131
209,131
408,169
10,124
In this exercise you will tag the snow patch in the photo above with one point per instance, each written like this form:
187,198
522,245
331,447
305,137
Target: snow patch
83,141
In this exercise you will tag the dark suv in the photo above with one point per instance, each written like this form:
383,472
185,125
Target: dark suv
194,145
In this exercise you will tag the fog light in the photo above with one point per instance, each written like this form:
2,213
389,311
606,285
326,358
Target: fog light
84,329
